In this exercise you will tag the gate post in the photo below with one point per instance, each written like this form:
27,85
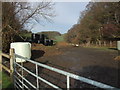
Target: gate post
12,58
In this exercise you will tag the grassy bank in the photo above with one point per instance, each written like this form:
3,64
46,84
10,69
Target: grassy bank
60,38
103,48
6,81
0,80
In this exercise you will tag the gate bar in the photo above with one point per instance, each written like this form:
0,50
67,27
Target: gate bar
25,80
45,81
21,82
83,79
68,82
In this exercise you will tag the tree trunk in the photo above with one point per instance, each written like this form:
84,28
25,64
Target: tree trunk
99,41
88,43
92,43
96,43
110,43
104,43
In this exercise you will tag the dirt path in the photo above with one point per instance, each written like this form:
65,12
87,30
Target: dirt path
89,62
92,63
77,58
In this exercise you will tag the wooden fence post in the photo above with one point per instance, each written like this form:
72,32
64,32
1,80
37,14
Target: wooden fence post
12,58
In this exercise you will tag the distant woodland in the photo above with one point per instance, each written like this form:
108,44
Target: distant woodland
98,24
50,34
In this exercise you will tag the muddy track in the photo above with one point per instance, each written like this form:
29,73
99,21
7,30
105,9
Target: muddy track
92,63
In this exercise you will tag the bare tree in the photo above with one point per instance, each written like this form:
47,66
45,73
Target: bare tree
34,11
15,15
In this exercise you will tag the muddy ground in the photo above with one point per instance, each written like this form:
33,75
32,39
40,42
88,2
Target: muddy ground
93,63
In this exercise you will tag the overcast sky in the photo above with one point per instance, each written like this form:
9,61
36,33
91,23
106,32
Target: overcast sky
67,14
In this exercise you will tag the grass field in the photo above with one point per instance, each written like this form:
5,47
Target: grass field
104,48
26,35
0,80
6,81
59,38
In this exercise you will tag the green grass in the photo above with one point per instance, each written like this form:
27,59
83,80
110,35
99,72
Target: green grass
28,35
107,49
0,80
6,81
59,38
104,48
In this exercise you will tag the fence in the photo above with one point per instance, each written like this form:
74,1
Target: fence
23,83
11,57
67,74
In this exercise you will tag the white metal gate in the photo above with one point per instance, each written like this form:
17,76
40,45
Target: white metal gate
23,83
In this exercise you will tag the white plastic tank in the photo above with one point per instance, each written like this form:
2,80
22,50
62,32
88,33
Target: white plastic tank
22,49
118,45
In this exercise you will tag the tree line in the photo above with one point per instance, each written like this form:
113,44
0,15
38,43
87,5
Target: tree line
98,24
17,15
